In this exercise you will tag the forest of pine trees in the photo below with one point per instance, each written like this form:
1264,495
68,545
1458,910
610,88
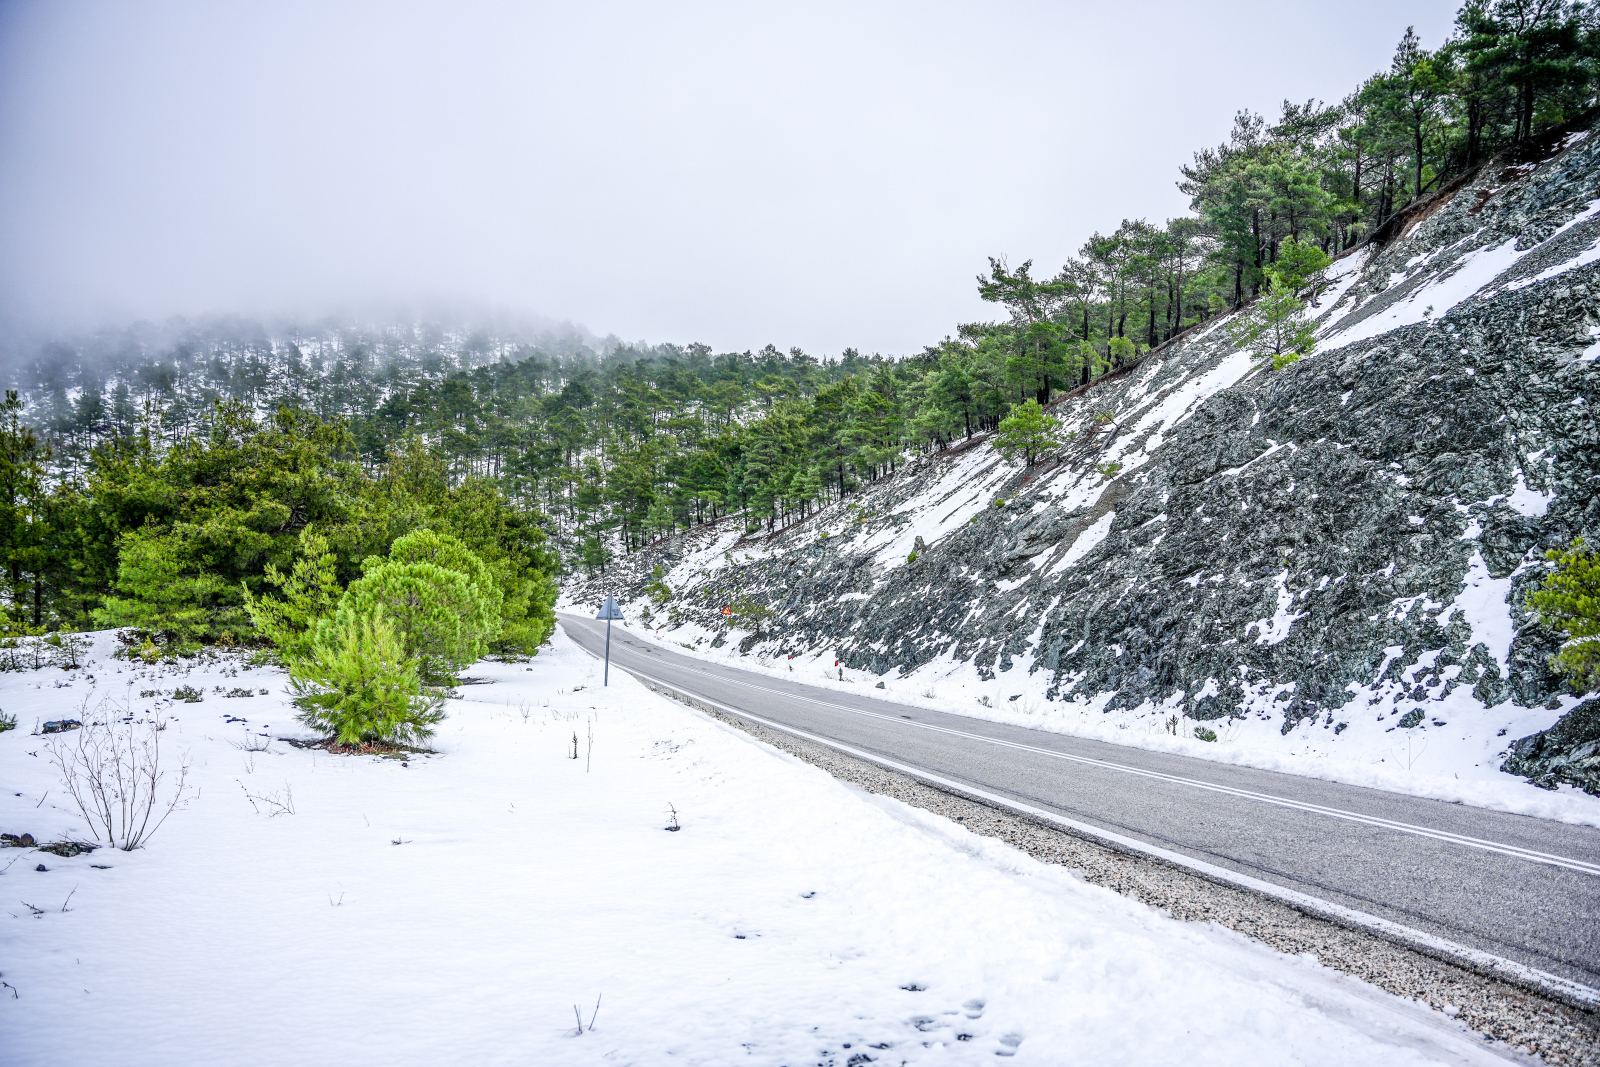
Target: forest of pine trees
110,436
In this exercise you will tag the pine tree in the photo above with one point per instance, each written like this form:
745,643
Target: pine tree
164,590
307,594
1277,325
359,683
1569,601
23,530
440,616
1029,432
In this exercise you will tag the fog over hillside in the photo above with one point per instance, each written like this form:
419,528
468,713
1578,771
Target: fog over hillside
820,175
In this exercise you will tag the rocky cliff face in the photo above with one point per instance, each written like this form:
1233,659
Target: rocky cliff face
1345,541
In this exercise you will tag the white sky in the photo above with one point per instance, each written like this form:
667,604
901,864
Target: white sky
821,175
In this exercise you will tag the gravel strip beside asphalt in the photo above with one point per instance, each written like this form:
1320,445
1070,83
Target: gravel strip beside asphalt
1529,1023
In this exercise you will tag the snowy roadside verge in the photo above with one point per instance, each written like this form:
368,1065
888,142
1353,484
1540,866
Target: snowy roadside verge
454,907
1457,766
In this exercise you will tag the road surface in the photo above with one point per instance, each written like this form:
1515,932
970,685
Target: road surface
1522,888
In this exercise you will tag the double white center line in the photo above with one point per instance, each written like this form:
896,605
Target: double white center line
1515,851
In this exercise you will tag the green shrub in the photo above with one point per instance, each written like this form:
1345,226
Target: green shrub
309,592
7,722
1569,601
359,684
752,613
912,558
161,590
512,545
443,620
1205,734
443,550
1028,432
657,589
1276,326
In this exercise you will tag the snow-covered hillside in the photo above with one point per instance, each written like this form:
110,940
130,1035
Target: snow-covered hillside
1324,566
455,907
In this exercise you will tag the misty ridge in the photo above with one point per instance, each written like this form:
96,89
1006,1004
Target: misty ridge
99,382
171,381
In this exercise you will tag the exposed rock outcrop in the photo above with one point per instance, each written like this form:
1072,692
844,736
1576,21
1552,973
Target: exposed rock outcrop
1567,752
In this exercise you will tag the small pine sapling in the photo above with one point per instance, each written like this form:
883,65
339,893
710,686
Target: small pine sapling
1028,432
359,684
1569,601
656,589
1277,325
309,592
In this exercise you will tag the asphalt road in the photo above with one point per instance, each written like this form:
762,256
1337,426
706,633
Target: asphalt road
1522,888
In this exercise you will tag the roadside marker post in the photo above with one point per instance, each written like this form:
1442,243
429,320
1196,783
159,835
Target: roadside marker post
609,611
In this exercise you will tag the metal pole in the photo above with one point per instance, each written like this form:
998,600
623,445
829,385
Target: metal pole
608,648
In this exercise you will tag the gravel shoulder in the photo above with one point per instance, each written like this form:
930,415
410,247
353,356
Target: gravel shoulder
1525,1021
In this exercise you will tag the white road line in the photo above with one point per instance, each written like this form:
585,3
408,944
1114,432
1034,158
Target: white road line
1514,851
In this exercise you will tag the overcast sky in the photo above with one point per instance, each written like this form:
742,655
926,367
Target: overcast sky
810,174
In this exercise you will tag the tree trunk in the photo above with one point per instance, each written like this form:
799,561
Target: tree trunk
1255,238
1418,143
1355,196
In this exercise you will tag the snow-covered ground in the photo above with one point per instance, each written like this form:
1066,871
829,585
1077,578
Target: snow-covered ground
454,908
1457,761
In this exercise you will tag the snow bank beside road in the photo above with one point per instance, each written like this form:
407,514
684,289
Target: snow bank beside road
454,908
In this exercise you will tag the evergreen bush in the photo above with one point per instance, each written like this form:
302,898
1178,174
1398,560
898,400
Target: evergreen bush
1569,600
161,590
309,592
359,684
442,618
657,589
443,550
1028,432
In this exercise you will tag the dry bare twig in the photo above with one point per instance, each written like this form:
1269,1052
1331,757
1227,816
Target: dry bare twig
112,768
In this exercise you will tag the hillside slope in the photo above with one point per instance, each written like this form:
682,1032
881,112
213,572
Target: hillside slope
1334,554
